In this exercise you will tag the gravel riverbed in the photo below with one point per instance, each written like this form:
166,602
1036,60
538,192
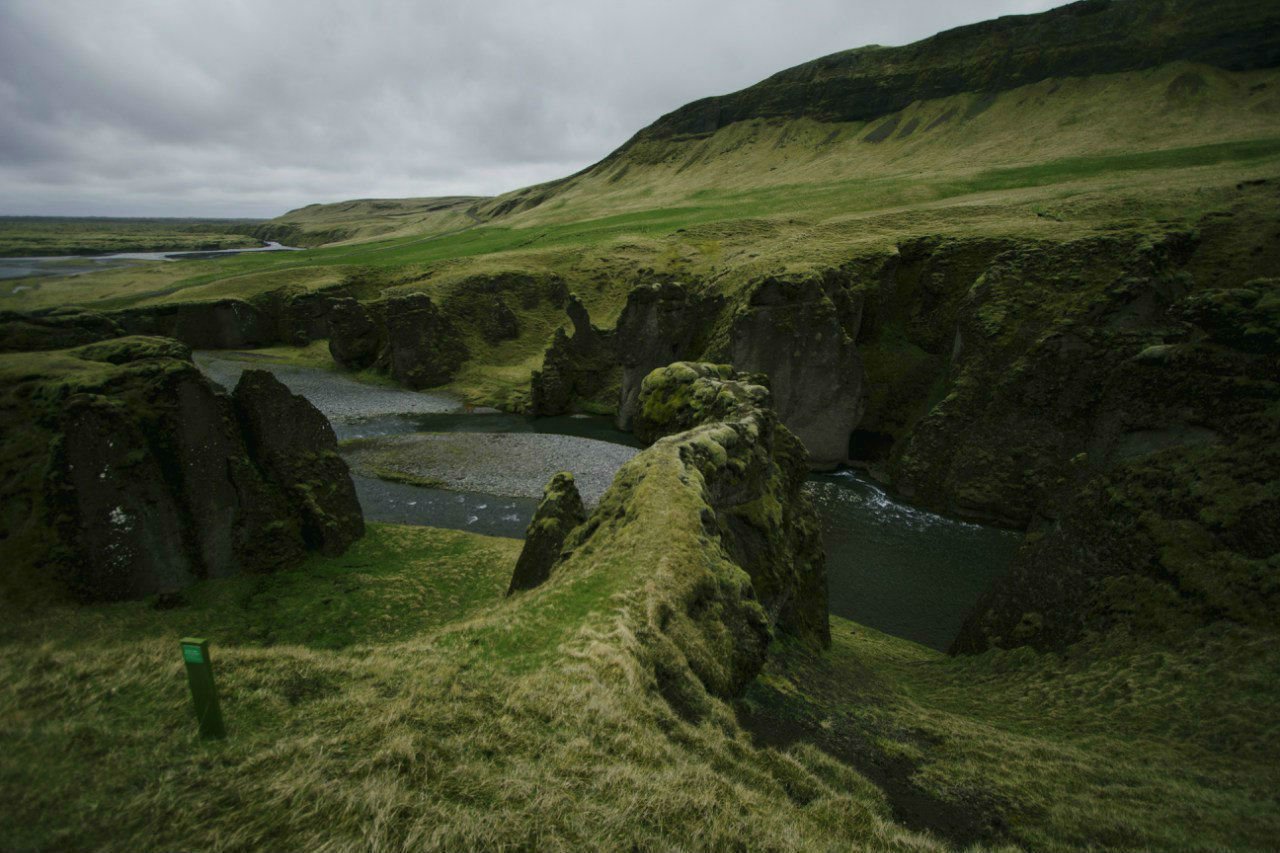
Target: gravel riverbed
341,398
510,464
502,464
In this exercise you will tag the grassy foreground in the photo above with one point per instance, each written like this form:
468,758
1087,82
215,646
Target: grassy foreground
393,699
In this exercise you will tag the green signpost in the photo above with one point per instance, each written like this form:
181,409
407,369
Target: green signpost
195,654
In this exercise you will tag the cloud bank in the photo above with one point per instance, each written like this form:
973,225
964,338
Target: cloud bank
238,108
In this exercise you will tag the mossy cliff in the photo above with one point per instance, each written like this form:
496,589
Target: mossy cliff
1175,522
715,509
751,469
127,473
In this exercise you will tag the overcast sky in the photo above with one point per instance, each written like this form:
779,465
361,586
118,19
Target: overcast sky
253,107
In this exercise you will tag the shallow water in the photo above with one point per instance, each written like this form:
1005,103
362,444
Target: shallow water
580,426
899,569
399,503
65,265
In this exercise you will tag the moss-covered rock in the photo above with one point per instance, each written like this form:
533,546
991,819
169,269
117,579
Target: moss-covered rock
56,328
560,511
126,473
752,469
294,445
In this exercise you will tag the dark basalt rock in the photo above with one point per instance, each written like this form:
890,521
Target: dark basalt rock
407,337
123,533
791,331
224,324
355,337
660,324
294,445
154,478
557,515
150,486
424,348
581,367
58,328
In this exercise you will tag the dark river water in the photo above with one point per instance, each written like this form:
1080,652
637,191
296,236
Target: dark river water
899,569
890,566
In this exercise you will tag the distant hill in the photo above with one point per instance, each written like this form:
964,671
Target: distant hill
367,218
1029,71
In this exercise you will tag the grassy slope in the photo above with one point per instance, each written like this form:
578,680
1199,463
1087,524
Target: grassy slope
1058,159
365,219
386,699
393,698
1116,744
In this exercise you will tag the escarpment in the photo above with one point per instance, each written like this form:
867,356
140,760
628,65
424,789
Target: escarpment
714,509
130,474
793,331
1175,520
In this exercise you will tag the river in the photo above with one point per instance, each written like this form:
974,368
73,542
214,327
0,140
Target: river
890,566
65,265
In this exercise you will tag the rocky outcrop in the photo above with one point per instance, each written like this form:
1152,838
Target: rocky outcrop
57,328
557,515
294,445
753,470
1171,517
355,337
223,324
711,528
661,323
149,481
1040,337
791,331
407,337
423,347
584,366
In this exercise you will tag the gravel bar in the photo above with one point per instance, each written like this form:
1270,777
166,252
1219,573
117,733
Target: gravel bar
514,464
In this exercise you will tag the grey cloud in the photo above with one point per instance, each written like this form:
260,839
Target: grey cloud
186,107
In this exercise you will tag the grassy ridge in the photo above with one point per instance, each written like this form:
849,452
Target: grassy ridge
394,698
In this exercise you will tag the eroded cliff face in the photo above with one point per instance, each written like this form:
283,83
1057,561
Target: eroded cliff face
793,332
715,512
1171,517
407,337
130,474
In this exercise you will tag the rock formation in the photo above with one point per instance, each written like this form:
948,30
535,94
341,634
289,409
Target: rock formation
150,482
407,337
222,324
715,511
557,515
582,367
57,328
660,324
1171,517
791,331
293,444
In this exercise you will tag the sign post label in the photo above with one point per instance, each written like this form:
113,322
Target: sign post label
195,654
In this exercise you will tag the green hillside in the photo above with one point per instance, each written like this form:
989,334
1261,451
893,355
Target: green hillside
1034,262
